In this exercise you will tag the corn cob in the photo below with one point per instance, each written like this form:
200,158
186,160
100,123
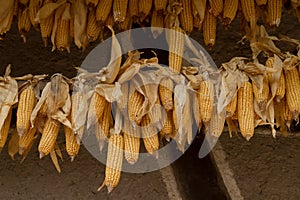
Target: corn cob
156,114
292,84
230,10
92,30
149,134
168,129
23,23
286,114
231,107
165,89
261,2
209,29
46,26
105,122
196,111
103,9
120,10
91,3
274,12
8,20
72,146
186,17
144,8
160,5
34,6
262,98
157,20
25,108
216,7
136,100
216,124
99,102
48,139
131,142
5,129
206,94
26,140
133,9
248,8
175,38
126,24
245,110
62,38
113,162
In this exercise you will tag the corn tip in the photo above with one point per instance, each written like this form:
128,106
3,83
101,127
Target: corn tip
21,150
42,155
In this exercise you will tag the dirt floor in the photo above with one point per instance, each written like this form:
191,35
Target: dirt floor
264,168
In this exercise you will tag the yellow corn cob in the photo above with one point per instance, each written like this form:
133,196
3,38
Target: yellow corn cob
105,122
133,9
261,2
120,10
274,12
93,30
5,129
91,3
62,38
286,114
25,108
168,129
100,103
216,124
231,107
46,26
136,100
149,134
216,7
103,9
113,162
292,84
262,98
209,29
72,146
206,93
175,39
26,140
126,24
160,5
248,8
166,93
24,2
144,8
245,110
49,135
34,6
131,142
230,10
23,23
186,16
157,20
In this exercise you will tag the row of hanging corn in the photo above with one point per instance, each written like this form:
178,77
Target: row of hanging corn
84,21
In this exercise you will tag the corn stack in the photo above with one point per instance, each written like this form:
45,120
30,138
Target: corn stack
131,142
292,84
5,129
26,140
209,29
175,38
120,10
216,7
25,107
206,94
49,135
72,146
46,25
274,12
149,134
165,89
113,162
144,8
103,10
34,6
23,23
160,5
245,110
186,16
263,96
92,30
230,10
136,100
